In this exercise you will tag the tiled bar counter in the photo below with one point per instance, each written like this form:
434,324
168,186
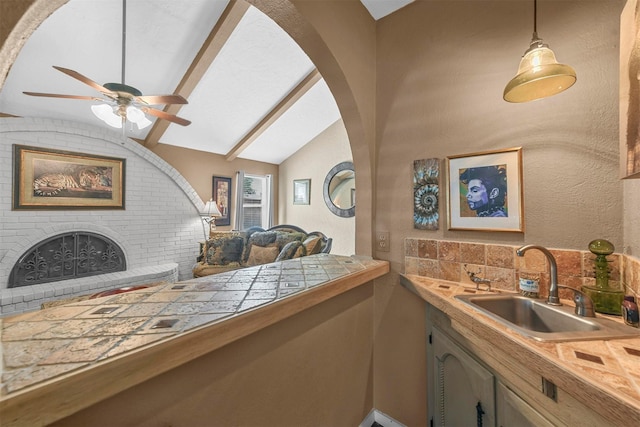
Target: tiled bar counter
49,356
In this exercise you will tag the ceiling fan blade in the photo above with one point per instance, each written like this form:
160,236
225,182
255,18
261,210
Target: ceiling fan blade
161,99
166,116
56,95
76,75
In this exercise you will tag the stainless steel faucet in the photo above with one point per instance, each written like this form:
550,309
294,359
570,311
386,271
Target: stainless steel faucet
553,273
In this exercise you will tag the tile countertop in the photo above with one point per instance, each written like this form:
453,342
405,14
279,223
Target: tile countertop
49,356
602,374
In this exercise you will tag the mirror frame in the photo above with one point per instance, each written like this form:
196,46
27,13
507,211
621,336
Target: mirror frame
344,213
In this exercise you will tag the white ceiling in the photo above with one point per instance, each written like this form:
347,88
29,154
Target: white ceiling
381,8
241,100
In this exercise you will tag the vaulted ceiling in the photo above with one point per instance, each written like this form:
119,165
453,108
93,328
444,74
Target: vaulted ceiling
252,92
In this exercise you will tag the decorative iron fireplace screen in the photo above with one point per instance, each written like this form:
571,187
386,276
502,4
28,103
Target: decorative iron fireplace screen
67,256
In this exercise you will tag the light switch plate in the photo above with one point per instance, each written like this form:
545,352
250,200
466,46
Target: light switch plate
382,241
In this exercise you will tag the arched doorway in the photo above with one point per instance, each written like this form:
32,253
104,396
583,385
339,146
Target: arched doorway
349,74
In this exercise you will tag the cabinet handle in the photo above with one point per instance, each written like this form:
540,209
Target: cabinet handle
479,413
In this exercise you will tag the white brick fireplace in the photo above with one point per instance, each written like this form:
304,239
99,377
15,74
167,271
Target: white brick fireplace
158,230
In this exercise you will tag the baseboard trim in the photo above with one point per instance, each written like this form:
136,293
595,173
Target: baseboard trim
380,418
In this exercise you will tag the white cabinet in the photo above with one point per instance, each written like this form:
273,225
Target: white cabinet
464,390
514,411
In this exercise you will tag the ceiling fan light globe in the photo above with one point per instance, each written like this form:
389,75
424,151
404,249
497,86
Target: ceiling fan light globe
105,113
143,123
136,116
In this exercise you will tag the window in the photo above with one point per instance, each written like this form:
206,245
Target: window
255,201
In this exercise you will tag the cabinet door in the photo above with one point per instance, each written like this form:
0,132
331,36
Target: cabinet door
464,389
513,411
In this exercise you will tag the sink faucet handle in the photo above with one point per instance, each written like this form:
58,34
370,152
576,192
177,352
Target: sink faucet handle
584,305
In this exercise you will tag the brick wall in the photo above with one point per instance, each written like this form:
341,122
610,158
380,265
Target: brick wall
160,224
450,260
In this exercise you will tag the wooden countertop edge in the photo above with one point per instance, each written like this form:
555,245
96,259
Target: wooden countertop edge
607,403
62,396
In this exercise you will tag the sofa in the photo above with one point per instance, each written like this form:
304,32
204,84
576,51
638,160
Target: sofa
231,250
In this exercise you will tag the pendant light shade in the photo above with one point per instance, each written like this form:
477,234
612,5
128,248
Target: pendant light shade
539,74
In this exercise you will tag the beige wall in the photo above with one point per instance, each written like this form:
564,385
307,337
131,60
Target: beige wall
313,162
198,168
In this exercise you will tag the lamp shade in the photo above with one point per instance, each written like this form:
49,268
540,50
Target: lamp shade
211,209
539,75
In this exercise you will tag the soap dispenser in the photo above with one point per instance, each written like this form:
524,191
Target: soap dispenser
606,298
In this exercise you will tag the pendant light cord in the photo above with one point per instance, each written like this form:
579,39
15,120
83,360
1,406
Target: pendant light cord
535,16
535,40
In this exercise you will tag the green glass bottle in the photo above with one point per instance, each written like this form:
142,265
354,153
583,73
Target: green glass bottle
606,298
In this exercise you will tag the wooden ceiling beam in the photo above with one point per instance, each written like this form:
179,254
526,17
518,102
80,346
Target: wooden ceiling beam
292,97
212,46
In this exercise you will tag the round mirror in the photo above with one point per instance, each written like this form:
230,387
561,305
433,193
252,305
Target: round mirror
340,190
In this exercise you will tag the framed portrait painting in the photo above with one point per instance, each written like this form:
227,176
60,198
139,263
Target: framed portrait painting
301,191
55,179
485,191
222,197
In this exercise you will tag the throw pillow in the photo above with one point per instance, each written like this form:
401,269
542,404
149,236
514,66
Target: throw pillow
262,255
285,237
313,245
222,247
232,250
222,251
292,250
263,238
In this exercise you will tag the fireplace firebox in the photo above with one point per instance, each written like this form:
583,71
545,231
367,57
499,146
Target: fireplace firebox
67,256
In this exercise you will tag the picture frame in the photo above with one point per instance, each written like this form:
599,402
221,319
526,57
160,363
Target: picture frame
496,206
301,191
222,196
426,194
56,179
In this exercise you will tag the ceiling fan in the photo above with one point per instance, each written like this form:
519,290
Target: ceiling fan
122,102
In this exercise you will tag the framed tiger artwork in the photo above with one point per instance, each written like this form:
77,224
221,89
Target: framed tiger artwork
55,179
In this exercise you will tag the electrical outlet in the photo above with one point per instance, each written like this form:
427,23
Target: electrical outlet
382,241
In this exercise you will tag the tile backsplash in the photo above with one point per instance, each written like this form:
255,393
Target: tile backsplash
454,260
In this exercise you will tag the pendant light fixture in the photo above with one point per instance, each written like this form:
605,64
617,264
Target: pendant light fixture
539,74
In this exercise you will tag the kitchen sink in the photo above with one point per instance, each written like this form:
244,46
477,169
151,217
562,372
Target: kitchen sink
536,319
